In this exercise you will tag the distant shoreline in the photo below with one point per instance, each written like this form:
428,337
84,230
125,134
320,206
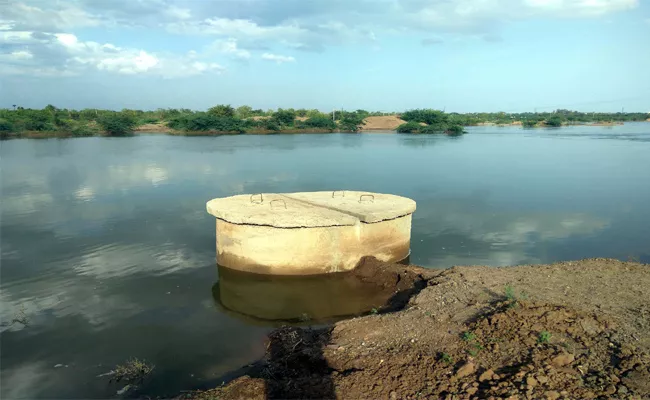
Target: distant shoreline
371,124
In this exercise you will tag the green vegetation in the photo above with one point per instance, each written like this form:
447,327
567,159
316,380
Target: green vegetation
512,298
554,121
468,336
117,124
544,337
429,121
446,358
224,119
529,123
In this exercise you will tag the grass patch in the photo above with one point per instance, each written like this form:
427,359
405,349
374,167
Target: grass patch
544,337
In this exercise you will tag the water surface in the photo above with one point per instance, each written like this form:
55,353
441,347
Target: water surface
108,252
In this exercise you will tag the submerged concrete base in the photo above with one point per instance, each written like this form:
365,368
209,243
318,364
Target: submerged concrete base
307,233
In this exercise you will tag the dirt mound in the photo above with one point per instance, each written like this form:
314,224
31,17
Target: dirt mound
567,330
383,123
159,127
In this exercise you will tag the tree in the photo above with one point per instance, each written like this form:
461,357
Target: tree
117,124
554,121
244,112
222,110
285,117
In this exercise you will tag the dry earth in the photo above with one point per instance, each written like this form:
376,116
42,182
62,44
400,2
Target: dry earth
571,330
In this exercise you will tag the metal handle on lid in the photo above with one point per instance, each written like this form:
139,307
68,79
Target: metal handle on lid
258,201
284,203
371,198
338,191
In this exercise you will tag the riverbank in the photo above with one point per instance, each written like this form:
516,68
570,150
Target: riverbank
386,124
575,329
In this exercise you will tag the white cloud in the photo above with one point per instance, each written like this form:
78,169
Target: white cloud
277,58
38,38
178,12
229,47
129,63
61,16
64,54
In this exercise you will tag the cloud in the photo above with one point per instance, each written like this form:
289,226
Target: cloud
41,38
65,16
229,47
277,58
63,54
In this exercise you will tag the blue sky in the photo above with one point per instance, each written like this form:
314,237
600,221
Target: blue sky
460,55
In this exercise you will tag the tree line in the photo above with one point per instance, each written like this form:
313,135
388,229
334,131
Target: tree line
227,119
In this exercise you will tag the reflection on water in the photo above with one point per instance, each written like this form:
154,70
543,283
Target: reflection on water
108,252
275,300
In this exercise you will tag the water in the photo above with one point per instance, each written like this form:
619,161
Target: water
108,252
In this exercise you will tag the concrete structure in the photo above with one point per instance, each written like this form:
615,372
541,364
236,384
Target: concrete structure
310,232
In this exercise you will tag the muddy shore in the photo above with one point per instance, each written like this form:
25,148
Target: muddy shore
570,330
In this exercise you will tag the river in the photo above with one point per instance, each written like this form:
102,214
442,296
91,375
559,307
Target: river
108,252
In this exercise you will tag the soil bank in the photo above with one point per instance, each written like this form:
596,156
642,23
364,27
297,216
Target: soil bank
570,330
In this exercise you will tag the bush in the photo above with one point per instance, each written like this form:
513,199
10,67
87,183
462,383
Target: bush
435,128
428,116
320,122
6,126
206,122
350,121
455,130
409,127
222,110
270,124
554,121
117,124
529,123
285,117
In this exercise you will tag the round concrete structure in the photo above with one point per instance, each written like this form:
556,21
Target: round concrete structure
310,232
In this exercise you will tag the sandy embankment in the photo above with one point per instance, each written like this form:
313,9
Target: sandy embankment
382,123
571,330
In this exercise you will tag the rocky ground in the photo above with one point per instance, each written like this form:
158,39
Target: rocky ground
571,330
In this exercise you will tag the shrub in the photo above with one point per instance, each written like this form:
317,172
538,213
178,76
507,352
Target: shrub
529,123
455,130
149,120
206,122
285,117
320,122
6,126
222,110
117,124
554,121
271,124
350,121
428,116
435,128
409,127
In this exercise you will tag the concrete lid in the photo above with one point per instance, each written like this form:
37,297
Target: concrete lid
368,207
275,210
310,209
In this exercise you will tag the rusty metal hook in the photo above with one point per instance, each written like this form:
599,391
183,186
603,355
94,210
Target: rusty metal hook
284,203
261,199
337,191
371,196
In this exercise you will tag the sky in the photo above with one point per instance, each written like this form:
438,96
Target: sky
380,55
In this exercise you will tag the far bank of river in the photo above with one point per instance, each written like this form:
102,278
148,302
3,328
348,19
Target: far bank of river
379,124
